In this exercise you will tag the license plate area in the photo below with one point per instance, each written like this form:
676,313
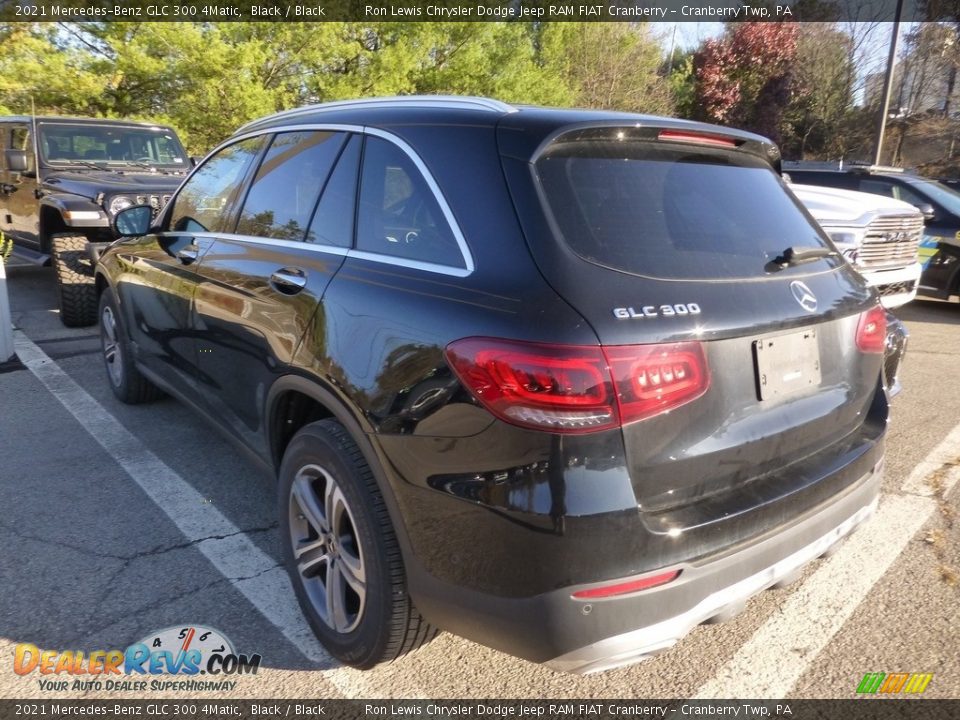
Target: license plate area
787,364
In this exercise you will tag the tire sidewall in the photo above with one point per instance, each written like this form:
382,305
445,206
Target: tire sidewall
314,444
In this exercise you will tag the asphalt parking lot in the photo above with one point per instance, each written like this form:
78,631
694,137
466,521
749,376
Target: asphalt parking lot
120,521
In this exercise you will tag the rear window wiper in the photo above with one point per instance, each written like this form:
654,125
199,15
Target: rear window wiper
797,255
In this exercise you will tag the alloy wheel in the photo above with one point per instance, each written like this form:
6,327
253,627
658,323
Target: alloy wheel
327,549
112,348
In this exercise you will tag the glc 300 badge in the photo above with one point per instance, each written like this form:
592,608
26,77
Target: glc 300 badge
649,311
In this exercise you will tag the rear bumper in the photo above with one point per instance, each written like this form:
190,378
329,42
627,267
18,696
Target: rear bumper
719,589
580,636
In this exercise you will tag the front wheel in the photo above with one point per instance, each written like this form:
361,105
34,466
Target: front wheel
341,551
126,381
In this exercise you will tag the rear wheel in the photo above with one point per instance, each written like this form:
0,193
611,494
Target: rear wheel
76,285
126,381
341,551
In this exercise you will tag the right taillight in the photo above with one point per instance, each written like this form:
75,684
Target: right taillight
872,330
578,389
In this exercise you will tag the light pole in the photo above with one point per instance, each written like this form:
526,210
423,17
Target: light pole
888,84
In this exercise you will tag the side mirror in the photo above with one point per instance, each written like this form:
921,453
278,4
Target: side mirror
194,161
16,160
133,221
927,209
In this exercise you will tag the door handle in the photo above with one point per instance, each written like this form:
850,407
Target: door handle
288,280
188,254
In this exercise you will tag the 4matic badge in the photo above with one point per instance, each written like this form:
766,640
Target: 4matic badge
650,311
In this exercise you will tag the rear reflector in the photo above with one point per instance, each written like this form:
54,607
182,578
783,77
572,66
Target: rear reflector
578,389
696,138
623,588
872,330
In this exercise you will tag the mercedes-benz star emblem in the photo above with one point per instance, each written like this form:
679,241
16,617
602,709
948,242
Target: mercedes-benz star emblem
804,296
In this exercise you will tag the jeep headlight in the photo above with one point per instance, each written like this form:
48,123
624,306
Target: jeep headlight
118,203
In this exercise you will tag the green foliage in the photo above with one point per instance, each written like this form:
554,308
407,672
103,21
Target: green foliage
608,65
206,79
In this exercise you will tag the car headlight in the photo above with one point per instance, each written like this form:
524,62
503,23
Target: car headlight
118,203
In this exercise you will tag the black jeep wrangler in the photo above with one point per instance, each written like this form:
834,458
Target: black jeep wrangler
61,182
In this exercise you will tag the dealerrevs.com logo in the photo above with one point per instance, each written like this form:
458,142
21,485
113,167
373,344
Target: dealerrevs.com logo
184,650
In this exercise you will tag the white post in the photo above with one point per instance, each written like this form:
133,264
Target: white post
6,325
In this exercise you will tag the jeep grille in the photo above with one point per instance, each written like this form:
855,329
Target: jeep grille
154,201
891,241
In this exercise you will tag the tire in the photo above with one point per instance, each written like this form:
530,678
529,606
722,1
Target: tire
76,284
367,617
126,381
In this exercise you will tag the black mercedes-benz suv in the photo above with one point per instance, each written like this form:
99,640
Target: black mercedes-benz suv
566,383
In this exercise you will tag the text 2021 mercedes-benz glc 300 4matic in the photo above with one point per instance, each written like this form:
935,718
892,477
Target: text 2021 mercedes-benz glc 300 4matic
565,383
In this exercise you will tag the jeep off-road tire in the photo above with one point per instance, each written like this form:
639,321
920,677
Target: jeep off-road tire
76,284
341,550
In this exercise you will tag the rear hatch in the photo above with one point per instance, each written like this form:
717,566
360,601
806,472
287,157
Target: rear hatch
765,372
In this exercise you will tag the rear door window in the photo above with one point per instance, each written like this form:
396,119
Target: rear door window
285,190
332,222
673,211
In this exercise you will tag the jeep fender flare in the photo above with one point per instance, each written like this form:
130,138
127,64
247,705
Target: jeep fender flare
64,204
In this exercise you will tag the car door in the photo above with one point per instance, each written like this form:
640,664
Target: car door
160,275
261,284
21,212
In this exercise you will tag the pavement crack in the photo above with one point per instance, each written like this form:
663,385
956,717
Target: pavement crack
16,532
164,548
159,604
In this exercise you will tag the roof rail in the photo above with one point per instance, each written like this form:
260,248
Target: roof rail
462,102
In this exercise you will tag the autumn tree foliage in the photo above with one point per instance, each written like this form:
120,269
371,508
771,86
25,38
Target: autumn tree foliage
743,78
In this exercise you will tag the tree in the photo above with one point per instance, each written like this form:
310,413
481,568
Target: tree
206,79
607,65
744,78
822,92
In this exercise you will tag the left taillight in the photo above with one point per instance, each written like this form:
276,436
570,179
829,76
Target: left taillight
872,330
578,389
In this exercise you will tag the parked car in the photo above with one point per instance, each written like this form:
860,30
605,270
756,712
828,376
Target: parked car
940,245
879,236
61,182
565,383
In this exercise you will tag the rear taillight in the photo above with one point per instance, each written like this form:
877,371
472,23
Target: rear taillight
652,379
872,330
577,389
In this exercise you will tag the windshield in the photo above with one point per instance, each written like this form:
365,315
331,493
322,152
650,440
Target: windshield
674,211
949,199
110,145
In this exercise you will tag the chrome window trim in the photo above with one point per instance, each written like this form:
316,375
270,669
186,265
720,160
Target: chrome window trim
465,102
452,270
257,240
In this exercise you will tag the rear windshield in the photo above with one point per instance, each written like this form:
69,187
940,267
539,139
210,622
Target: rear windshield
673,211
